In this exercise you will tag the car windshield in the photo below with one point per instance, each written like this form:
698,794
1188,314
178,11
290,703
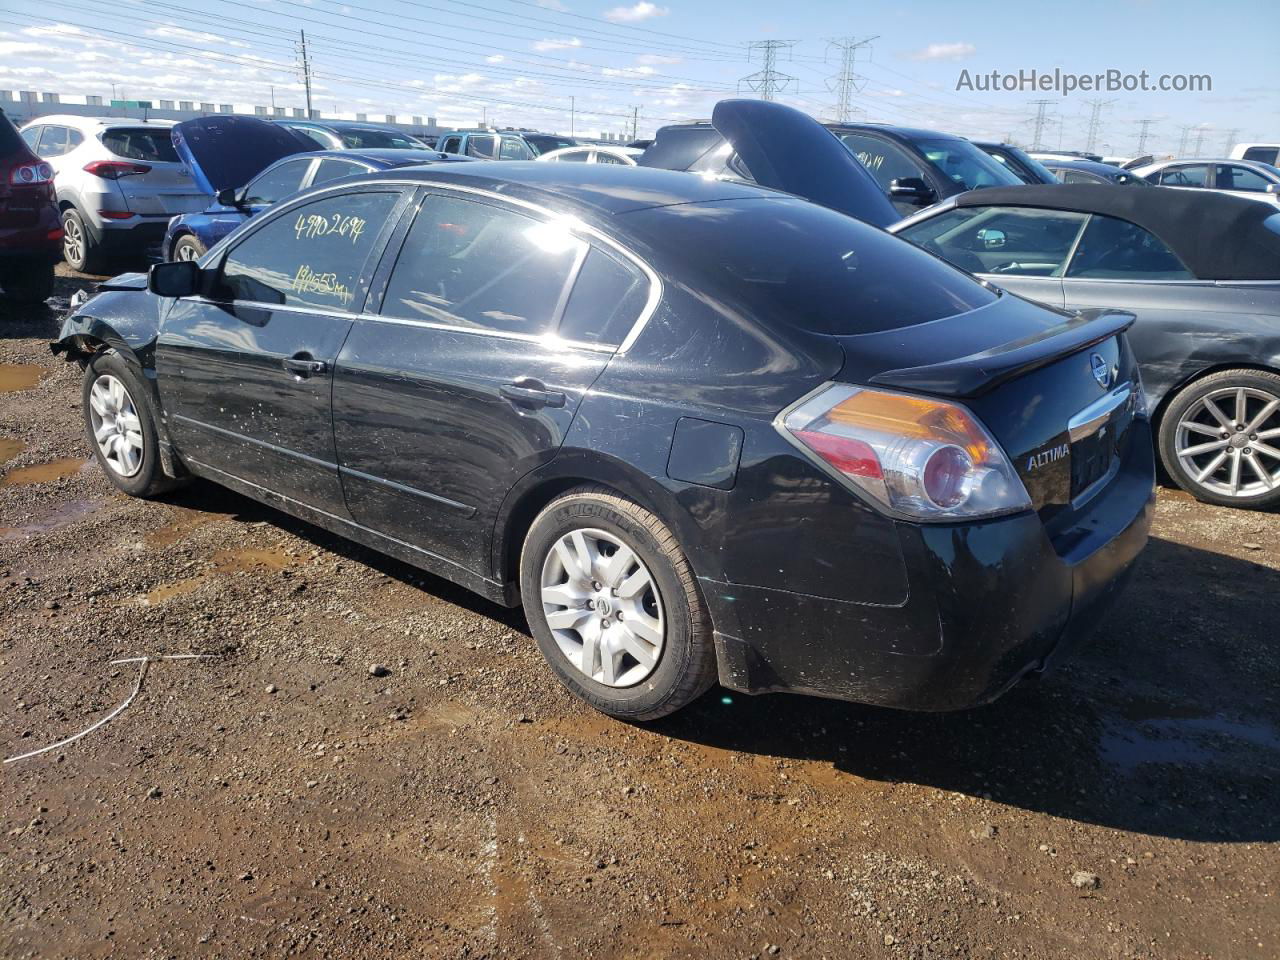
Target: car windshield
964,164
135,143
1031,163
544,143
810,266
364,138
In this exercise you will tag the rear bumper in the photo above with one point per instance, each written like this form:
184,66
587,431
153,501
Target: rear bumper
988,603
39,237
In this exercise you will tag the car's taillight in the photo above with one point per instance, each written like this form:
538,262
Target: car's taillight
916,457
115,169
30,174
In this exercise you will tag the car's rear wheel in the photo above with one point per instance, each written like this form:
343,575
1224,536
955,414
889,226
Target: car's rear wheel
121,427
25,280
1220,438
614,605
81,251
188,248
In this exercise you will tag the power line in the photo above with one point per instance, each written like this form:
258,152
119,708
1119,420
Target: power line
768,81
1095,121
847,82
1201,130
1040,120
1182,143
1230,141
1144,133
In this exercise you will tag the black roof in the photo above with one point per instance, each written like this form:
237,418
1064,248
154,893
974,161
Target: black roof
603,187
1215,235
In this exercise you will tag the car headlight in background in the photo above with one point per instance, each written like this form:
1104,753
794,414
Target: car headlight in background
917,457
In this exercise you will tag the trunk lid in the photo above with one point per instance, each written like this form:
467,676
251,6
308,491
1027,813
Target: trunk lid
1059,392
225,153
789,150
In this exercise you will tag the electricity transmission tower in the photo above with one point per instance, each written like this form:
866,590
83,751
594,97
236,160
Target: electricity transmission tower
1182,143
1040,120
1200,132
1230,141
847,82
1095,121
1143,134
768,81
304,70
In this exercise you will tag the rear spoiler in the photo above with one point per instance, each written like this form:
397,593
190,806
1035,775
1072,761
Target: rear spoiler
979,373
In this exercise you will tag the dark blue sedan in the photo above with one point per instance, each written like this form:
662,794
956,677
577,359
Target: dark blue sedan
247,165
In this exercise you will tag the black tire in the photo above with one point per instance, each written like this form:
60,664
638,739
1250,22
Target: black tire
149,479
24,280
1261,384
686,666
79,248
187,247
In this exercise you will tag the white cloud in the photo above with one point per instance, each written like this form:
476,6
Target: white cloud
641,11
569,44
944,51
193,36
555,5
495,58
658,58
627,71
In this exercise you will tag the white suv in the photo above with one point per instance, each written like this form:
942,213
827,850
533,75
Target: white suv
118,182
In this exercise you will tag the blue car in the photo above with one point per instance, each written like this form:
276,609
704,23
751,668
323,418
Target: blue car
246,165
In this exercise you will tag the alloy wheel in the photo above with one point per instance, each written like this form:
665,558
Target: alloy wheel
187,251
1228,442
603,607
116,427
72,241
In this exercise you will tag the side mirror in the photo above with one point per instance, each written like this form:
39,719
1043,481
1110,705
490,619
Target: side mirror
911,188
228,197
991,238
179,278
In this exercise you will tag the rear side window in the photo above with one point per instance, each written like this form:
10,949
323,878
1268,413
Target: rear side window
331,169
513,148
1231,177
471,264
1192,176
1119,250
481,146
886,161
135,143
1078,176
54,142
29,136
789,261
277,183
607,300
312,256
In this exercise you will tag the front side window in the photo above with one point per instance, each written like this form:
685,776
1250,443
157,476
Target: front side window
1189,176
1013,241
608,297
1113,249
1231,177
148,144
471,264
451,145
277,183
331,169
886,161
54,142
482,146
312,256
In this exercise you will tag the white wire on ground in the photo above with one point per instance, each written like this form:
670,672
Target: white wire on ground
142,672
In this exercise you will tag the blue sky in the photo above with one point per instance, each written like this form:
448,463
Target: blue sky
523,62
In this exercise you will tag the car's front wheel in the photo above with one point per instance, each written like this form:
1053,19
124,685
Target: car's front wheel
121,426
188,248
614,605
1220,438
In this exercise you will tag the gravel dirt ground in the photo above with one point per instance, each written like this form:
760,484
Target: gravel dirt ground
277,799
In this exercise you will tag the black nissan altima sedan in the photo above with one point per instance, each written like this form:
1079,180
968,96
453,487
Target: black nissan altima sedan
701,430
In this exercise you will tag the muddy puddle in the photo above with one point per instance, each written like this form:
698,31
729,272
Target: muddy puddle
68,512
43,472
245,560
15,377
10,447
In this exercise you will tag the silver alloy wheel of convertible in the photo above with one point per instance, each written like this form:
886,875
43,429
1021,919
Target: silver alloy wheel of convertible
1228,441
603,607
116,427
72,240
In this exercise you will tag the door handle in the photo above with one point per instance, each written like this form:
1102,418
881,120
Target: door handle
527,392
302,365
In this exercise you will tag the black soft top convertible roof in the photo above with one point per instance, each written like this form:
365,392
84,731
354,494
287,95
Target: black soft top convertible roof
1215,235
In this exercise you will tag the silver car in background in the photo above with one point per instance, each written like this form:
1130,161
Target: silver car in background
1243,178
118,181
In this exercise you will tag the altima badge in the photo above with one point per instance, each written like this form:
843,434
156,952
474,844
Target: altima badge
1101,371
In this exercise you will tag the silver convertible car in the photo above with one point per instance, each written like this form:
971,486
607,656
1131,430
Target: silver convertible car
1200,271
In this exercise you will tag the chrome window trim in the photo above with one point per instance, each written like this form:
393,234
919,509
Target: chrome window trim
222,247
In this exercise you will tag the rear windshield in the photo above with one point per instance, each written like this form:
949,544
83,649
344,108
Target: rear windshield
544,143
140,144
810,266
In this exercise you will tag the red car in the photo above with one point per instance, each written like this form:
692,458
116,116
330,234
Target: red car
30,229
